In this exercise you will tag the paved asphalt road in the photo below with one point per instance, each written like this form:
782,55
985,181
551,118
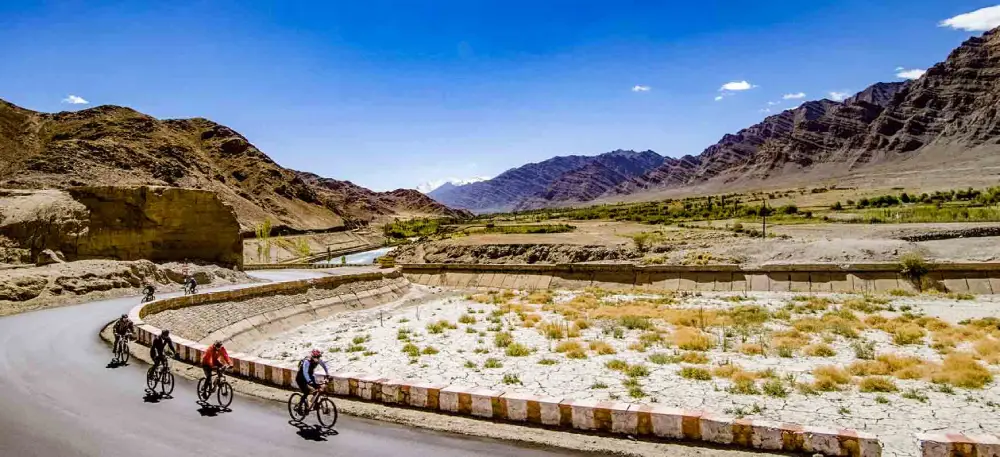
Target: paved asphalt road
59,398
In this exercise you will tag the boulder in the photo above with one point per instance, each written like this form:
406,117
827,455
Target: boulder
48,257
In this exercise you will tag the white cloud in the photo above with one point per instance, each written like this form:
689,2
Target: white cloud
638,88
718,97
898,68
737,86
979,20
910,74
764,110
74,100
773,103
839,96
435,183
793,96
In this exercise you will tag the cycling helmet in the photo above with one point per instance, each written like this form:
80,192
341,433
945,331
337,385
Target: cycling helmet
316,353
165,332
124,316
217,344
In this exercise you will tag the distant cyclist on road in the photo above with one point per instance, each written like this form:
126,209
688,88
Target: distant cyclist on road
215,356
147,291
156,350
190,284
305,378
123,328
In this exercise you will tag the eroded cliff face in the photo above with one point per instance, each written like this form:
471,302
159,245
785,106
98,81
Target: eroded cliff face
124,223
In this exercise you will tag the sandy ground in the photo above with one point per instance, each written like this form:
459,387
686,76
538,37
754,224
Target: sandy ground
372,337
454,424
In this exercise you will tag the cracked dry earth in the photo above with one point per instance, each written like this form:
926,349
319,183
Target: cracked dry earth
464,351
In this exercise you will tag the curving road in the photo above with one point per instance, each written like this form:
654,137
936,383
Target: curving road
58,398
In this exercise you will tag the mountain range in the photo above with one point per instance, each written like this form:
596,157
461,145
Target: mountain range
113,145
946,118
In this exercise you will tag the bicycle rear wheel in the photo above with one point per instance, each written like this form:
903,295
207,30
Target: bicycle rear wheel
167,383
293,407
152,378
224,394
202,394
326,413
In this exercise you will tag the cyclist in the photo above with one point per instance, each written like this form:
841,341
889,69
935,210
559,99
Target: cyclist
148,290
190,284
156,350
123,328
305,378
215,356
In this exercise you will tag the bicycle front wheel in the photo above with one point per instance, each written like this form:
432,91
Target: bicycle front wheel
293,407
125,354
152,378
326,413
167,383
224,395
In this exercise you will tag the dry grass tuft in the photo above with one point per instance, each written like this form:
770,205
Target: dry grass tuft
570,345
602,348
961,370
751,349
908,334
692,339
829,378
530,319
819,350
541,297
696,373
988,350
552,330
877,384
582,324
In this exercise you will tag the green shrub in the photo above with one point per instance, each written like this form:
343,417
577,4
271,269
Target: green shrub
517,350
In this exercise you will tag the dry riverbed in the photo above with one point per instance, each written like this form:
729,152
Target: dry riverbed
893,365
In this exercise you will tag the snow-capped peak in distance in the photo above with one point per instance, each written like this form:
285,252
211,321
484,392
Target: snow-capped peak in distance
430,186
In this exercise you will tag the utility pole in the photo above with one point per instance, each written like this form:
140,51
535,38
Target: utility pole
763,213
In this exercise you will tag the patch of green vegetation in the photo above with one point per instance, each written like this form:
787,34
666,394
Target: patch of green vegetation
548,362
492,363
511,378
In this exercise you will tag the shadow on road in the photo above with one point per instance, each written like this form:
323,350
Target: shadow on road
153,396
210,410
115,364
312,432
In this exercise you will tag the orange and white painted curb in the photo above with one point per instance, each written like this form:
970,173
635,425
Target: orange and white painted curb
640,420
958,445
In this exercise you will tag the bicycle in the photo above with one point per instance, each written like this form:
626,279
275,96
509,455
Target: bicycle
121,351
326,409
162,377
220,387
190,289
148,297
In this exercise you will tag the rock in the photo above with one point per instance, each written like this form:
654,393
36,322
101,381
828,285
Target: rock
48,257
122,223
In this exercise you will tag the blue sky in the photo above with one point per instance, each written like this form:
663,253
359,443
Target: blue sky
394,94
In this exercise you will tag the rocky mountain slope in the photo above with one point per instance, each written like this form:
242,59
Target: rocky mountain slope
111,145
917,124
354,199
560,179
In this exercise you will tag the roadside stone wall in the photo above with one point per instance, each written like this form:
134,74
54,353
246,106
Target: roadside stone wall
979,278
200,322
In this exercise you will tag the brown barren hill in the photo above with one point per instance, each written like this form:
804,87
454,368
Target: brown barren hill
112,145
945,120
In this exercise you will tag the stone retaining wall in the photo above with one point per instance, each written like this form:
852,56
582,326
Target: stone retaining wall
976,278
248,319
648,421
